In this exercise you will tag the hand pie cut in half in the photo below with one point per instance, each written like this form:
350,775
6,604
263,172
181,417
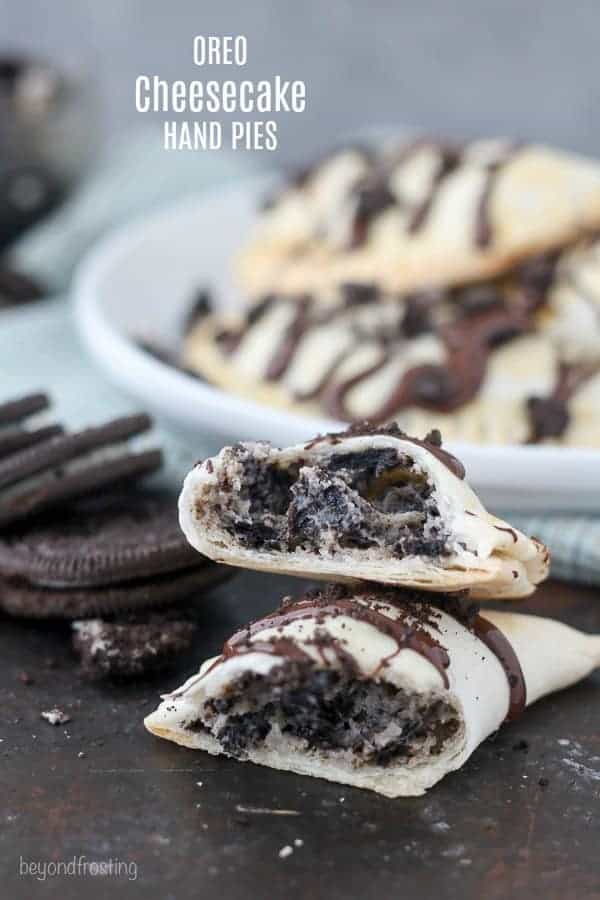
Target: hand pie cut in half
365,504
371,687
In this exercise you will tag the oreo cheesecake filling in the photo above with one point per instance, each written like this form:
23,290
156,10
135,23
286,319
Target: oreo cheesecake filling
375,500
328,712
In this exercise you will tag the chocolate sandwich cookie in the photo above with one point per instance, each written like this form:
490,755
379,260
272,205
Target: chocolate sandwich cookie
14,436
133,645
14,439
12,411
18,597
105,554
64,467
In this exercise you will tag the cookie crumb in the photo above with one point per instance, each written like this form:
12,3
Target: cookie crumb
55,716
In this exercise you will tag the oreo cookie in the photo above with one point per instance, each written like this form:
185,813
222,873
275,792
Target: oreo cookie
14,439
20,598
118,552
60,468
131,646
13,436
12,411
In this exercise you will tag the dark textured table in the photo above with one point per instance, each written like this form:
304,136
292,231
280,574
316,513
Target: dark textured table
521,819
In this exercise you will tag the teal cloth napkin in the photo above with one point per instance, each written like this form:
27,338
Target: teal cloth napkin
39,348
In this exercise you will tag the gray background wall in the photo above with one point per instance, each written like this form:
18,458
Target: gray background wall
518,67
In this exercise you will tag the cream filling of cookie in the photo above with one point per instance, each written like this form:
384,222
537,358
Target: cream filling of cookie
297,707
93,630
377,501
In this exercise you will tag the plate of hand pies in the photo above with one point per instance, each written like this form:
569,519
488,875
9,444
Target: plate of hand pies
427,283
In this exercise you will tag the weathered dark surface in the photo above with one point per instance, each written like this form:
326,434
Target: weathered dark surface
488,831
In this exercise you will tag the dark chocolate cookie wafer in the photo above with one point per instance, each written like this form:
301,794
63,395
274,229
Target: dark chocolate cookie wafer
13,435
106,553
68,466
16,410
12,440
19,597
134,645
101,540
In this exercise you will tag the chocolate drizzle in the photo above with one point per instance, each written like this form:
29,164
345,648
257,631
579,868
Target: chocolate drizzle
418,616
373,195
549,416
450,160
483,227
406,631
469,323
442,388
502,649
294,333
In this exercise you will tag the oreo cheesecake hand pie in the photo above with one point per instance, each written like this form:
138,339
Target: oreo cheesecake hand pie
368,503
513,360
371,687
422,213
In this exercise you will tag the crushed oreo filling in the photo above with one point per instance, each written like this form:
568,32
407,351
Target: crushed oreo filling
329,711
369,500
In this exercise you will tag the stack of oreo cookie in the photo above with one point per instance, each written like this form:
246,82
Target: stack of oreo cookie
79,538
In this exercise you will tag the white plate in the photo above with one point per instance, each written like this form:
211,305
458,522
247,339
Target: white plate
139,282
